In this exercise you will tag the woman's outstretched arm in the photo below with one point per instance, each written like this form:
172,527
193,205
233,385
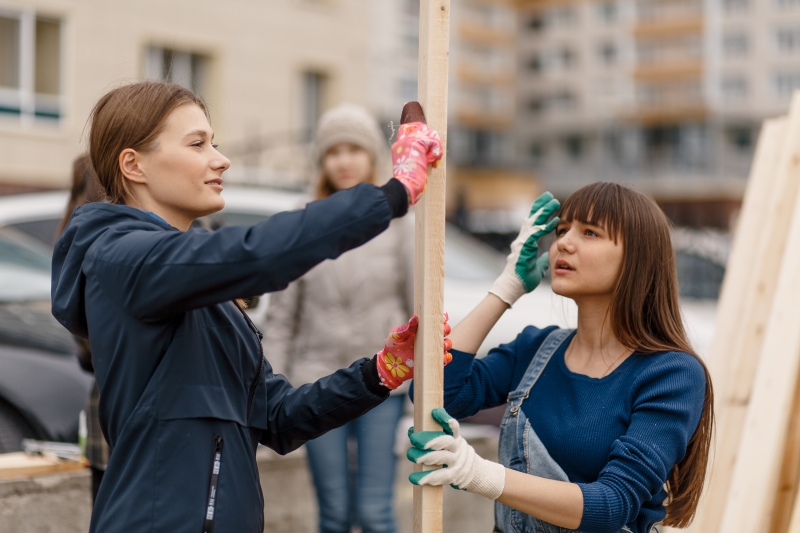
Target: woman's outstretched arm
556,502
469,334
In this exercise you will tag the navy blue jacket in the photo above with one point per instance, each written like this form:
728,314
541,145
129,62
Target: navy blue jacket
186,394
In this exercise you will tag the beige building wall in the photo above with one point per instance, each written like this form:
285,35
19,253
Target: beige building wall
754,56
257,53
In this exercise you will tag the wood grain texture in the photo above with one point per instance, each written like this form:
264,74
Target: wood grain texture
756,473
789,472
434,37
744,304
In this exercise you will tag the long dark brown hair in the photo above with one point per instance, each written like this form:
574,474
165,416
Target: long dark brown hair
645,313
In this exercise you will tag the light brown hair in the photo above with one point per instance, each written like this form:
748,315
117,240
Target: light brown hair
131,116
645,313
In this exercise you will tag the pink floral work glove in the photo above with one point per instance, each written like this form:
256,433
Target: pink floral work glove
417,147
396,360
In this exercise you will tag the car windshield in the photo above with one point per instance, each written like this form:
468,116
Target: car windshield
24,267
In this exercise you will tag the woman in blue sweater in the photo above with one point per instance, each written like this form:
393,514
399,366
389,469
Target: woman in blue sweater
608,426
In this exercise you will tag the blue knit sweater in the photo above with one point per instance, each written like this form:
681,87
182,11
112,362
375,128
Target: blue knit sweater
617,437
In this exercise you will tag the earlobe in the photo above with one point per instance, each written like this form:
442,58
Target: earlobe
129,165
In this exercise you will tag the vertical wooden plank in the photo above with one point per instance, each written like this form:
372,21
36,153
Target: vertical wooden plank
744,304
790,472
434,37
751,498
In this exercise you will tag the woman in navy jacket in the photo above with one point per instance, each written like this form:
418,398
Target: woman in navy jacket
186,394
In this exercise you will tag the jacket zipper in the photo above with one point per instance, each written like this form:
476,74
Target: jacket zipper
211,502
251,394
254,384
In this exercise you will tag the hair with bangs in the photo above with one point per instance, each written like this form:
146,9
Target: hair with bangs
645,313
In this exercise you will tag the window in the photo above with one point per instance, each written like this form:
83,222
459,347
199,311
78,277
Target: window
408,89
735,6
535,63
740,137
537,152
735,44
411,7
734,88
314,85
536,23
608,53
561,16
607,11
184,68
30,67
566,57
563,101
787,40
537,105
574,145
786,83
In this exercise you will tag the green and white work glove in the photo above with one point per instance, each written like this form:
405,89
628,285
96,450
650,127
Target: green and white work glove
523,270
463,468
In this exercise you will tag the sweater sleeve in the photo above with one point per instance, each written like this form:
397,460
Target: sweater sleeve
666,406
472,384
283,318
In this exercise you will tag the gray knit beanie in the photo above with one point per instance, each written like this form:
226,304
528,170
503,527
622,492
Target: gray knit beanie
349,123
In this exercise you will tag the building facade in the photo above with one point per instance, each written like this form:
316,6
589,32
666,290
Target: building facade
666,95
266,69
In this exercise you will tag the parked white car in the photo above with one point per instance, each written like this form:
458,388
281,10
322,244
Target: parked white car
470,265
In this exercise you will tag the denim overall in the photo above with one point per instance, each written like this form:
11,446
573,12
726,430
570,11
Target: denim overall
521,449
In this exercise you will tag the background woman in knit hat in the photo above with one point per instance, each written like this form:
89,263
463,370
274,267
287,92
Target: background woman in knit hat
351,300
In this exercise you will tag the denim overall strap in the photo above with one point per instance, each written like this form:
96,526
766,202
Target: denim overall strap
535,368
521,449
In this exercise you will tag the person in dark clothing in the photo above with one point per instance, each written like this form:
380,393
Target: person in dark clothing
86,189
186,394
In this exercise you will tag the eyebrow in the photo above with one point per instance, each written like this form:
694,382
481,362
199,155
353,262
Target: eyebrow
201,133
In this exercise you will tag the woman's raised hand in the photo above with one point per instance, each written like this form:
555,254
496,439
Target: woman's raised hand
396,361
417,147
524,270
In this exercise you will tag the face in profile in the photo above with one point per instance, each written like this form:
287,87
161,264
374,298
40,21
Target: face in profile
346,165
184,170
585,260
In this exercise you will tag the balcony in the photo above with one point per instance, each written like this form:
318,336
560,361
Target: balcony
469,72
668,71
661,28
480,34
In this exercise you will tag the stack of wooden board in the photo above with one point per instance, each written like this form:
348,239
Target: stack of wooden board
755,357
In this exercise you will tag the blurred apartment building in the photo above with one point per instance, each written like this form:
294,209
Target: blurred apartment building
486,189
267,70
666,95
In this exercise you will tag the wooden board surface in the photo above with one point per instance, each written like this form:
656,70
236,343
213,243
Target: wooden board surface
744,305
434,35
752,495
789,472
20,464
